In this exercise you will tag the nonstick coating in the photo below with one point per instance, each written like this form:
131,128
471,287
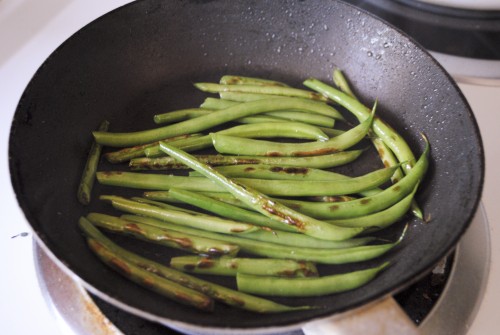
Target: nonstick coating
142,59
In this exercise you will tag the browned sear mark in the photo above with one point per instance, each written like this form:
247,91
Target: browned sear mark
365,201
134,228
120,266
205,263
317,152
290,170
274,154
287,219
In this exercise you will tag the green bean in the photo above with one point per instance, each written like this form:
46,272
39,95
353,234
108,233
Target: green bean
228,266
285,236
306,287
390,137
229,99
234,145
204,222
340,80
380,219
279,129
349,254
276,172
389,159
330,132
127,154
191,113
277,237
180,115
228,198
370,204
236,97
292,115
263,204
226,210
260,119
164,205
329,198
166,237
238,80
306,118
214,103
259,89
211,120
319,162
320,210
385,153
150,281
217,292
88,175
291,188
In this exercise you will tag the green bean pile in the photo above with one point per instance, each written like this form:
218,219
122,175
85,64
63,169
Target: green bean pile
267,207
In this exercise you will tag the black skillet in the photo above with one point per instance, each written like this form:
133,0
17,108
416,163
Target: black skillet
142,59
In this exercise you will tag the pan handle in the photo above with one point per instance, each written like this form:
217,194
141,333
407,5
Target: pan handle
383,317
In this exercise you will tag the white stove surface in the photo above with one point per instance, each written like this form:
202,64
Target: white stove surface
29,31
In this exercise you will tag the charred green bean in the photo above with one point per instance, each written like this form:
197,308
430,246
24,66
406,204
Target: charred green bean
291,188
349,254
229,266
204,222
319,162
271,237
166,237
149,280
263,204
127,154
217,292
306,287
286,234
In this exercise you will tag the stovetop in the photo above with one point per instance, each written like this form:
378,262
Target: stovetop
29,31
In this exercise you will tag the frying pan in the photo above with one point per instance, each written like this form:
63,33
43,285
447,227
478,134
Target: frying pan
142,59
